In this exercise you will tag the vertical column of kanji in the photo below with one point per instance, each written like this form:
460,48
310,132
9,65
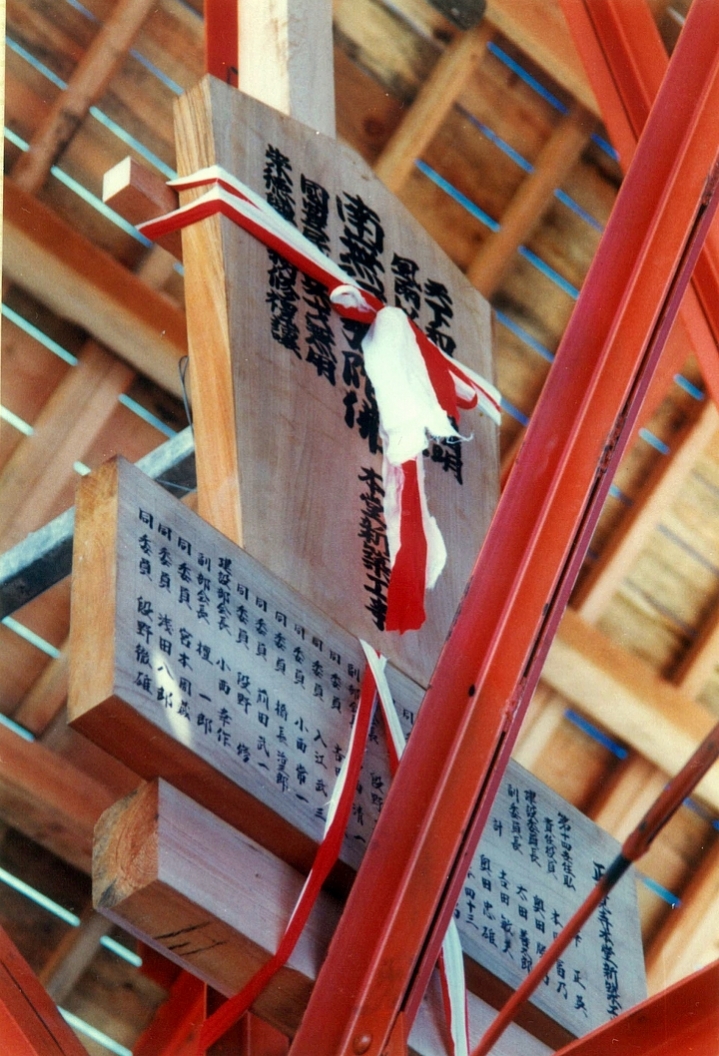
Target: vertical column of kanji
284,58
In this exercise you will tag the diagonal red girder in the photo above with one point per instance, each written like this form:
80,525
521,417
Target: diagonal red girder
625,61
389,936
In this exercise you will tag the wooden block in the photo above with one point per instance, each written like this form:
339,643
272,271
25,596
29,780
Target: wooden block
296,482
251,715
180,895
138,194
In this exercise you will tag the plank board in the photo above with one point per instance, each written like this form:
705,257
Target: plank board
179,897
300,485
192,662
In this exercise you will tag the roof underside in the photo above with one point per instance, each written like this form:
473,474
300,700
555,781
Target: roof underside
636,655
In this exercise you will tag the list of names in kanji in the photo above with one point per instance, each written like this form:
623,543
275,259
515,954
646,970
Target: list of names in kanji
231,663
538,859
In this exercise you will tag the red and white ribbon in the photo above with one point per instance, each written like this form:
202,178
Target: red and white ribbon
451,963
338,812
419,389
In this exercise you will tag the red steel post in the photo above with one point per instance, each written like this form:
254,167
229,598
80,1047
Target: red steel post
222,39
389,936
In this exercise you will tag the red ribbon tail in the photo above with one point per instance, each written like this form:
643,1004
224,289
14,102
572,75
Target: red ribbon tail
405,594
327,854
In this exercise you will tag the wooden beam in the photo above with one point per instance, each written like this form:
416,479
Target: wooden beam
432,104
48,799
631,535
169,872
91,76
544,717
41,469
138,194
623,695
66,272
72,956
690,931
701,658
556,160
30,1025
623,801
46,697
541,31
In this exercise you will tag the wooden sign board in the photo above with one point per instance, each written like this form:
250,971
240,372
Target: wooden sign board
300,485
191,662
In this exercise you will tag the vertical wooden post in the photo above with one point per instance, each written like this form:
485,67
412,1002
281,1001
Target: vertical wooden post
284,58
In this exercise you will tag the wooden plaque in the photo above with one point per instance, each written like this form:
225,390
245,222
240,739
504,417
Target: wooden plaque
191,662
300,484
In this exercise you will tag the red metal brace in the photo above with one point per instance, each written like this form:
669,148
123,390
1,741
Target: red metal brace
636,844
405,892
625,61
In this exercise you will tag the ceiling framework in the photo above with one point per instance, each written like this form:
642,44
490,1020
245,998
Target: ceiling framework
494,140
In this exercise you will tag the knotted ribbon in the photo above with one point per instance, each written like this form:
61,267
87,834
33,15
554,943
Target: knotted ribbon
419,389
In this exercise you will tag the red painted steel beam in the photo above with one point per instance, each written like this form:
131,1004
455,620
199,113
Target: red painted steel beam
30,1024
389,936
683,1019
176,1024
634,847
222,39
625,61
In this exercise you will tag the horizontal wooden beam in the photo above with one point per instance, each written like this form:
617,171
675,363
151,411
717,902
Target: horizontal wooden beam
44,557
541,31
80,282
169,871
48,799
622,694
